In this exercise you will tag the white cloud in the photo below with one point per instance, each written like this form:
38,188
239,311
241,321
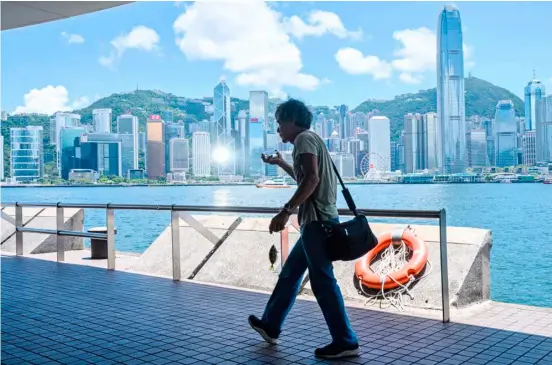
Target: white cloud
50,99
418,54
140,38
319,23
354,62
252,40
73,38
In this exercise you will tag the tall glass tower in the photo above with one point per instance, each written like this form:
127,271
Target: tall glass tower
534,91
450,92
505,133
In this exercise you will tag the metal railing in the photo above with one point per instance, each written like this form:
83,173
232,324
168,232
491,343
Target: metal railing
181,211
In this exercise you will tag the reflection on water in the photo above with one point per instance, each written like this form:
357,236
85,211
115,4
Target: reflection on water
221,197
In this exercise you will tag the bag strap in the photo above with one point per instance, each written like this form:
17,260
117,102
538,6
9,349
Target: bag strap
346,194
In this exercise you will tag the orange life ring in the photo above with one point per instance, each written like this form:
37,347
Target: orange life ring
415,265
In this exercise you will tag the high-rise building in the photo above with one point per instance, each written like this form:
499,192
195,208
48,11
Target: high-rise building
379,136
505,133
415,143
343,110
224,148
62,120
127,128
450,91
172,130
544,130
68,139
102,120
433,140
529,148
353,147
345,164
156,147
476,141
256,145
142,141
4,118
534,91
334,142
2,156
180,155
201,146
258,108
27,158
101,152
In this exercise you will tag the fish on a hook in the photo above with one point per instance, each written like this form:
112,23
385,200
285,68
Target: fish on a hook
272,256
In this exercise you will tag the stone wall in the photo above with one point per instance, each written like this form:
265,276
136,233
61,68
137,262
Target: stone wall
241,259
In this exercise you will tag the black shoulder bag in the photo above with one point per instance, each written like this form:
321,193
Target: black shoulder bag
349,240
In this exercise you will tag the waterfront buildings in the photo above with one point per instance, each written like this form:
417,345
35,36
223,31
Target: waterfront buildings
102,120
256,145
62,120
27,157
201,156
379,141
156,147
415,143
345,164
258,108
450,91
534,91
544,129
343,110
224,142
172,130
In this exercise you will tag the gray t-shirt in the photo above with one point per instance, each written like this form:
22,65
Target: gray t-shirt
326,194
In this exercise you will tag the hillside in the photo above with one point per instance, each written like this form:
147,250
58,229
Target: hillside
481,99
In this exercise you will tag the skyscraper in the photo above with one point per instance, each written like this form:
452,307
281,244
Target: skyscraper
102,120
180,155
101,152
67,147
476,141
343,110
379,134
27,158
544,130
201,146
224,149
433,140
505,133
258,108
415,143
127,128
450,91
156,147
534,91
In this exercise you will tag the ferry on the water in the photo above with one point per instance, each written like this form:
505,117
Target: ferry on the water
273,184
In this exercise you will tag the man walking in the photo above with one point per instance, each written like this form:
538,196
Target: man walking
315,197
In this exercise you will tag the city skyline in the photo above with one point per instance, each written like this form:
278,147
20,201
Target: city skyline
331,41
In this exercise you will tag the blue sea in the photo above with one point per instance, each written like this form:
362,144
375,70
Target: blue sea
519,216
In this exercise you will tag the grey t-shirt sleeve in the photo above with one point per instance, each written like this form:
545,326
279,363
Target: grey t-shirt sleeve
305,143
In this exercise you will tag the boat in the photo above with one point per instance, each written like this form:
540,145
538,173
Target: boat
273,184
547,180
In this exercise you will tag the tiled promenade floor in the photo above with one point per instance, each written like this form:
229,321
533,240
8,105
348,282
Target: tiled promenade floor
69,314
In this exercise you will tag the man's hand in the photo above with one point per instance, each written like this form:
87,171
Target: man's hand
271,159
279,221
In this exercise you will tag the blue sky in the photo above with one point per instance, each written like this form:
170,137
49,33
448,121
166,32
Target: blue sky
326,53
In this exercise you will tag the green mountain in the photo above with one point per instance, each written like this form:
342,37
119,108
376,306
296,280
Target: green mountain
481,99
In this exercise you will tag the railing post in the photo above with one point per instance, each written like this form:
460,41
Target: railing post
444,265
60,224
110,219
18,235
175,239
284,246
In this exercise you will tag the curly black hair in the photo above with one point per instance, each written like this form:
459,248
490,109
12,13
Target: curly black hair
295,111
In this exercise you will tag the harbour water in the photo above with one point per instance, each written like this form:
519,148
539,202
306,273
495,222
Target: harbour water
519,216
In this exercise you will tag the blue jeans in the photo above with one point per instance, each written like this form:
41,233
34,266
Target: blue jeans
309,253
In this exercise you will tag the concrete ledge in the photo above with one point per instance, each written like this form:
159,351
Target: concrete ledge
36,243
242,260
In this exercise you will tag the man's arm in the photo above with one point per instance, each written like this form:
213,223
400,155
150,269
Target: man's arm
309,166
287,168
